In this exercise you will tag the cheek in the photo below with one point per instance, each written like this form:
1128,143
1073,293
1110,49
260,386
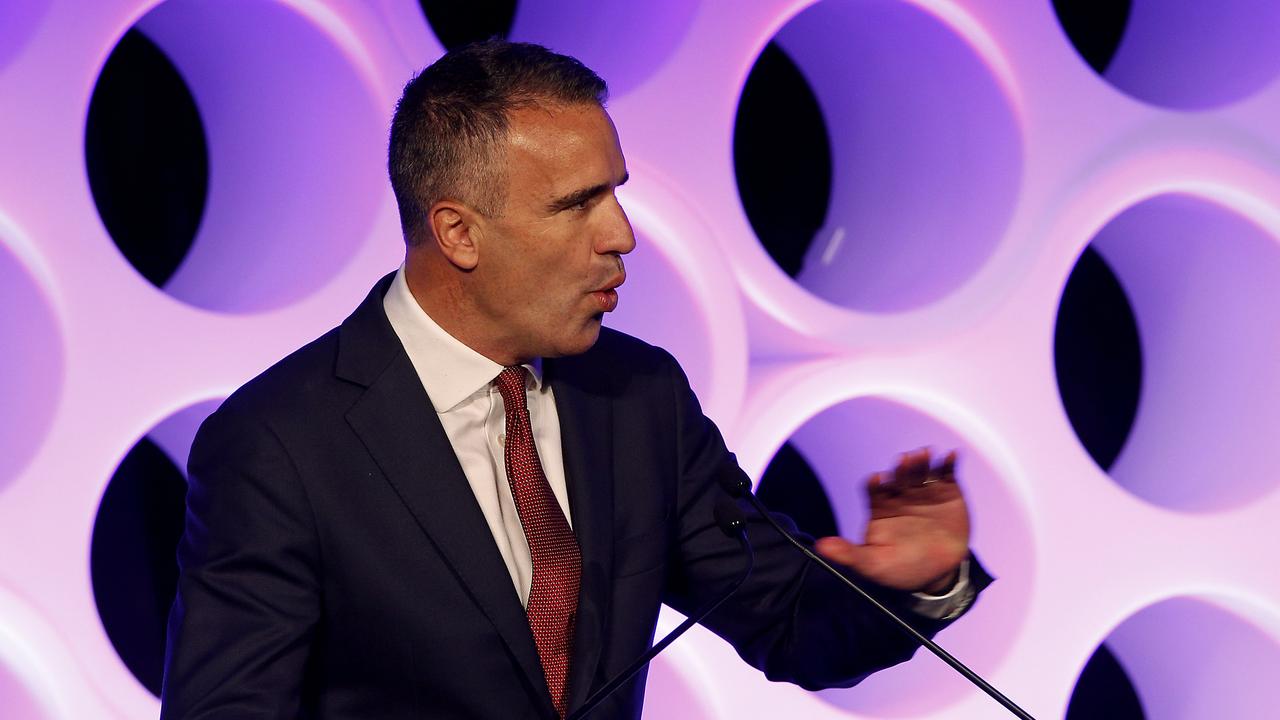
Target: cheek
549,299
554,276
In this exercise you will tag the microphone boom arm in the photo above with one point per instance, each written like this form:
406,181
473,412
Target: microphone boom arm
733,522
738,485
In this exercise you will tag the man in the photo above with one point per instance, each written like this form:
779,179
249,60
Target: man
469,500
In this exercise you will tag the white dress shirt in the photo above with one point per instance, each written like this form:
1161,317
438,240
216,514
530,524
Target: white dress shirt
459,382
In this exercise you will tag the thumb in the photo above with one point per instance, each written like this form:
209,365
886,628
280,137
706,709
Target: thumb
861,558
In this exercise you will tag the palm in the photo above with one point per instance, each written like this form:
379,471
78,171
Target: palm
918,532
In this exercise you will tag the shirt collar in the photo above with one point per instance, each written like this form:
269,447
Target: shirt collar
449,370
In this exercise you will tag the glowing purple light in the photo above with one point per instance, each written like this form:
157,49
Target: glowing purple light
976,145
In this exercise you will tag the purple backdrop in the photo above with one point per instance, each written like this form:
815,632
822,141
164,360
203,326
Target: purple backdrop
975,156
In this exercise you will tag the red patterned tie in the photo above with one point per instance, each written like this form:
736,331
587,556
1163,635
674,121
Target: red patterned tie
557,564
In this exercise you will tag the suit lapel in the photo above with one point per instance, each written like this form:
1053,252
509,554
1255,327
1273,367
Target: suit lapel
397,424
586,432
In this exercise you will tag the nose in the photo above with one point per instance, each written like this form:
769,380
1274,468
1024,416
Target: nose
616,236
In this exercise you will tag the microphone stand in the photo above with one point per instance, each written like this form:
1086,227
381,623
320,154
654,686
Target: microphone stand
732,522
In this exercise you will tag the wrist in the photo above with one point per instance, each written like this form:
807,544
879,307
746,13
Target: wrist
943,584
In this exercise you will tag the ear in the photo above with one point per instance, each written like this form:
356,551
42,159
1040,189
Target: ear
456,231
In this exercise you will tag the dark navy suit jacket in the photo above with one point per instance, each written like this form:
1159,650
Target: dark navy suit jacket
335,562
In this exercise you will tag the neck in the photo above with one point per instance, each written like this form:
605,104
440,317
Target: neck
440,295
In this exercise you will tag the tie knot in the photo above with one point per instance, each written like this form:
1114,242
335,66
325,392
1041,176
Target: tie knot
510,383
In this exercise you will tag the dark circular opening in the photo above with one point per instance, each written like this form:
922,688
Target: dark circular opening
791,487
293,187
1199,657
923,144
133,557
1094,27
1196,274
1098,358
146,157
782,158
459,23
1177,54
624,42
1104,691
837,449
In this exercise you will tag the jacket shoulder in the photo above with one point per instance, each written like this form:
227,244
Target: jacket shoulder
298,384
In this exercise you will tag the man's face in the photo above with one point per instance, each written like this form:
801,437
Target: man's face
550,261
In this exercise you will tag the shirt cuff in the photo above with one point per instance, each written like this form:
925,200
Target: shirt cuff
948,606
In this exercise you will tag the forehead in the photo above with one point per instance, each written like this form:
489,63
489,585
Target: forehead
556,149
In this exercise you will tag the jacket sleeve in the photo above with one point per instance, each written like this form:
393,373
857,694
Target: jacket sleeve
791,620
248,599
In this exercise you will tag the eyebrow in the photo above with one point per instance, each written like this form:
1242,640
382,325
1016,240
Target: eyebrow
585,194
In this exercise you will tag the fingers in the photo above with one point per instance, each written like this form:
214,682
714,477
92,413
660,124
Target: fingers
912,467
913,482
946,470
948,463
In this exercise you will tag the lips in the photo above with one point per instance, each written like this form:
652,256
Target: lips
614,283
607,295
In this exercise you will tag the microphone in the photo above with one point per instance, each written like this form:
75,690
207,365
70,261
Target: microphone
732,522
738,485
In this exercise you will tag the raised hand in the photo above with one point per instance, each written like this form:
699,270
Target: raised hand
918,533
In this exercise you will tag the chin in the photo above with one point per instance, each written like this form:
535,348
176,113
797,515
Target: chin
581,341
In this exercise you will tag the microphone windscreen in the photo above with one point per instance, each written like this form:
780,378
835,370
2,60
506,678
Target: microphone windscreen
733,480
729,517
